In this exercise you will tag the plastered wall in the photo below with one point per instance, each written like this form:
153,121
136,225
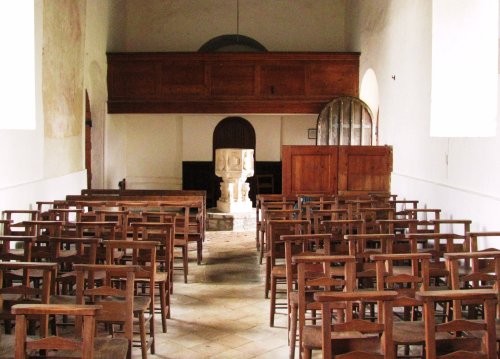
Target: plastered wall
280,25
46,163
458,175
148,150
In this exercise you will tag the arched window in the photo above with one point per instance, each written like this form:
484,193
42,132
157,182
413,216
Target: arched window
232,43
345,121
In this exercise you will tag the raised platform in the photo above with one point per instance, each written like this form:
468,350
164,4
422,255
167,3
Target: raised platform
236,222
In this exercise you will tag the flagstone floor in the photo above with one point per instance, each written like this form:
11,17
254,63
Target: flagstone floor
222,312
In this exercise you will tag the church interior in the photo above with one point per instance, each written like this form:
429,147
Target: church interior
133,101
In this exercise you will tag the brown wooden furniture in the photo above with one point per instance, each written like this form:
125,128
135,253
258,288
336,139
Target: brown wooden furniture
336,169
339,229
462,344
351,339
275,257
259,200
319,274
14,293
262,223
118,303
475,237
218,82
84,344
66,252
164,234
406,281
302,244
16,217
144,255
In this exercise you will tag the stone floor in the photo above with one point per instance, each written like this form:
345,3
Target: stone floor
222,312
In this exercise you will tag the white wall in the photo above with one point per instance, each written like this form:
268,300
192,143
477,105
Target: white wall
455,174
280,25
148,150
26,176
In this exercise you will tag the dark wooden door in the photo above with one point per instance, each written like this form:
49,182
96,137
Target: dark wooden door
88,141
232,132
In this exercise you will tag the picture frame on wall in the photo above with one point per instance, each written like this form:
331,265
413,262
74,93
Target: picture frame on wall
312,133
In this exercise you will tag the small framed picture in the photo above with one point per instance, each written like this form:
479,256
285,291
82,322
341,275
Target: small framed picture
311,133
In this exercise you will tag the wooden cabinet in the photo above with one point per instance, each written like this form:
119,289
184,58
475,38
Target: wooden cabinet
229,82
336,169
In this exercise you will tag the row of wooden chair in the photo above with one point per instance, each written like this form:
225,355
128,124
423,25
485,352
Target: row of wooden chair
396,230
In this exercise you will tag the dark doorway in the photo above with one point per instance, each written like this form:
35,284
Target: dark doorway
88,141
232,132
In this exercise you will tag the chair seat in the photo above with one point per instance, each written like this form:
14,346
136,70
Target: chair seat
312,336
104,348
406,332
115,348
279,271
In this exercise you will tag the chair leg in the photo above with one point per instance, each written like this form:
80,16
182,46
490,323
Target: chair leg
152,326
163,306
262,246
199,251
273,301
292,336
268,275
142,331
185,262
307,353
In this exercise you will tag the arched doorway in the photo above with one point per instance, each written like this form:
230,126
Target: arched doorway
232,132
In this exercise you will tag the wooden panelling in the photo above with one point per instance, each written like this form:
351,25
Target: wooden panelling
183,79
282,80
266,82
130,80
336,169
365,168
230,79
309,169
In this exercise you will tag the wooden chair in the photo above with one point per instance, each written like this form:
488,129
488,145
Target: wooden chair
183,232
118,305
66,252
188,225
319,274
68,217
104,230
437,244
484,273
259,200
474,239
372,215
462,344
16,217
401,205
12,293
302,244
339,229
5,226
144,255
399,227
265,207
164,234
119,217
409,331
275,256
84,344
424,216
357,338
319,217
